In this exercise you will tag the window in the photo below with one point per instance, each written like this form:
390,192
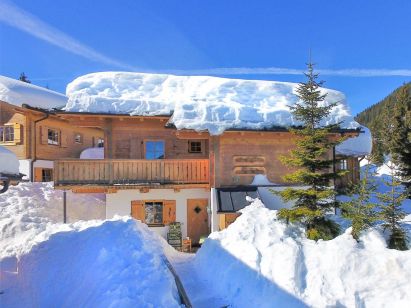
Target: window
154,213
53,136
194,147
78,138
343,164
154,149
6,133
47,175
100,143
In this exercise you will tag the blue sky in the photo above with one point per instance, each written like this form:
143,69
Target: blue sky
363,48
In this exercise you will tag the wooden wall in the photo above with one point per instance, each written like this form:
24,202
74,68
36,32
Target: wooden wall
242,155
129,137
9,116
353,175
67,148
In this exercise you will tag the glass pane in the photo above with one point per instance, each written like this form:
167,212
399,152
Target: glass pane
154,149
150,146
149,208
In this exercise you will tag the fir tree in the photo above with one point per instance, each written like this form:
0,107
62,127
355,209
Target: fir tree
310,157
360,210
391,211
24,78
398,135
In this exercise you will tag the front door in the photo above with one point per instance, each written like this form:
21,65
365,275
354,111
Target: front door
197,219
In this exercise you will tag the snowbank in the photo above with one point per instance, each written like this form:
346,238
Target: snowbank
9,164
17,93
357,146
197,102
28,209
114,263
95,263
92,153
261,262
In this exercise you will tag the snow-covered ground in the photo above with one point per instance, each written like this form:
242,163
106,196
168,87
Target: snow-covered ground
197,102
9,164
17,93
96,263
259,261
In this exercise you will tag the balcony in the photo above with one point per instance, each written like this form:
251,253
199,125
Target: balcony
131,172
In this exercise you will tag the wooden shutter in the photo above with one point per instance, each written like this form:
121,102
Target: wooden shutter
17,133
43,135
169,211
38,174
63,139
137,210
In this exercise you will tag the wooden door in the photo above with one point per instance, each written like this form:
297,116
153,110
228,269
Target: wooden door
197,219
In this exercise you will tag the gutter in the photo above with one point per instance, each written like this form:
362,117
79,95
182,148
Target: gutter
35,144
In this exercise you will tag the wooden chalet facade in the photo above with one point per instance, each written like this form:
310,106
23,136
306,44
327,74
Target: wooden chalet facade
159,174
38,137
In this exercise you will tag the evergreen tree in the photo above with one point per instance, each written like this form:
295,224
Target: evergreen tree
310,158
24,78
391,211
398,133
360,210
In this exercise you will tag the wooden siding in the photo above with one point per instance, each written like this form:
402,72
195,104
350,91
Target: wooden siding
8,116
353,174
131,172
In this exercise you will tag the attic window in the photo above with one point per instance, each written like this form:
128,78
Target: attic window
194,147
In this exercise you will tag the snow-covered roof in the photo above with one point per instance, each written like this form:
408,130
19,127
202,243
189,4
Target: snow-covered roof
9,164
17,93
196,102
356,146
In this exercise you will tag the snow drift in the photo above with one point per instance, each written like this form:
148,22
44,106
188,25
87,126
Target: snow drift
95,263
196,102
91,264
259,261
9,164
17,93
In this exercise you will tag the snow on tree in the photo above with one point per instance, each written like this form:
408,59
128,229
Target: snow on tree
360,210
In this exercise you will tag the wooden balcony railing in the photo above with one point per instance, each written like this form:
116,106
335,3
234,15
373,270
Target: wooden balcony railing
131,172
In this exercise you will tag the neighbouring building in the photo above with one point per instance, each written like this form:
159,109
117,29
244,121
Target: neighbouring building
30,128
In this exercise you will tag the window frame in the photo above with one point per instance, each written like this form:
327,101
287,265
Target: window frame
3,131
153,202
343,164
44,176
51,141
100,142
146,141
190,146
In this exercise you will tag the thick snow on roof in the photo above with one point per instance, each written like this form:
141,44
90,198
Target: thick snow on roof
17,93
9,164
197,102
357,146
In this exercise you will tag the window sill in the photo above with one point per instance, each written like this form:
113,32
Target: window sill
156,225
8,143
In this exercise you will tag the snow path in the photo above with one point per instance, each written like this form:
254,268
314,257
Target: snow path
198,290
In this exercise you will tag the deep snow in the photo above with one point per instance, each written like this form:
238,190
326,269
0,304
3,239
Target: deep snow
259,261
92,153
197,102
112,263
17,93
9,164
357,146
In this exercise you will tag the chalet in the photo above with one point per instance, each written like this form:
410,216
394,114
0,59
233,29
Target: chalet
174,154
30,128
